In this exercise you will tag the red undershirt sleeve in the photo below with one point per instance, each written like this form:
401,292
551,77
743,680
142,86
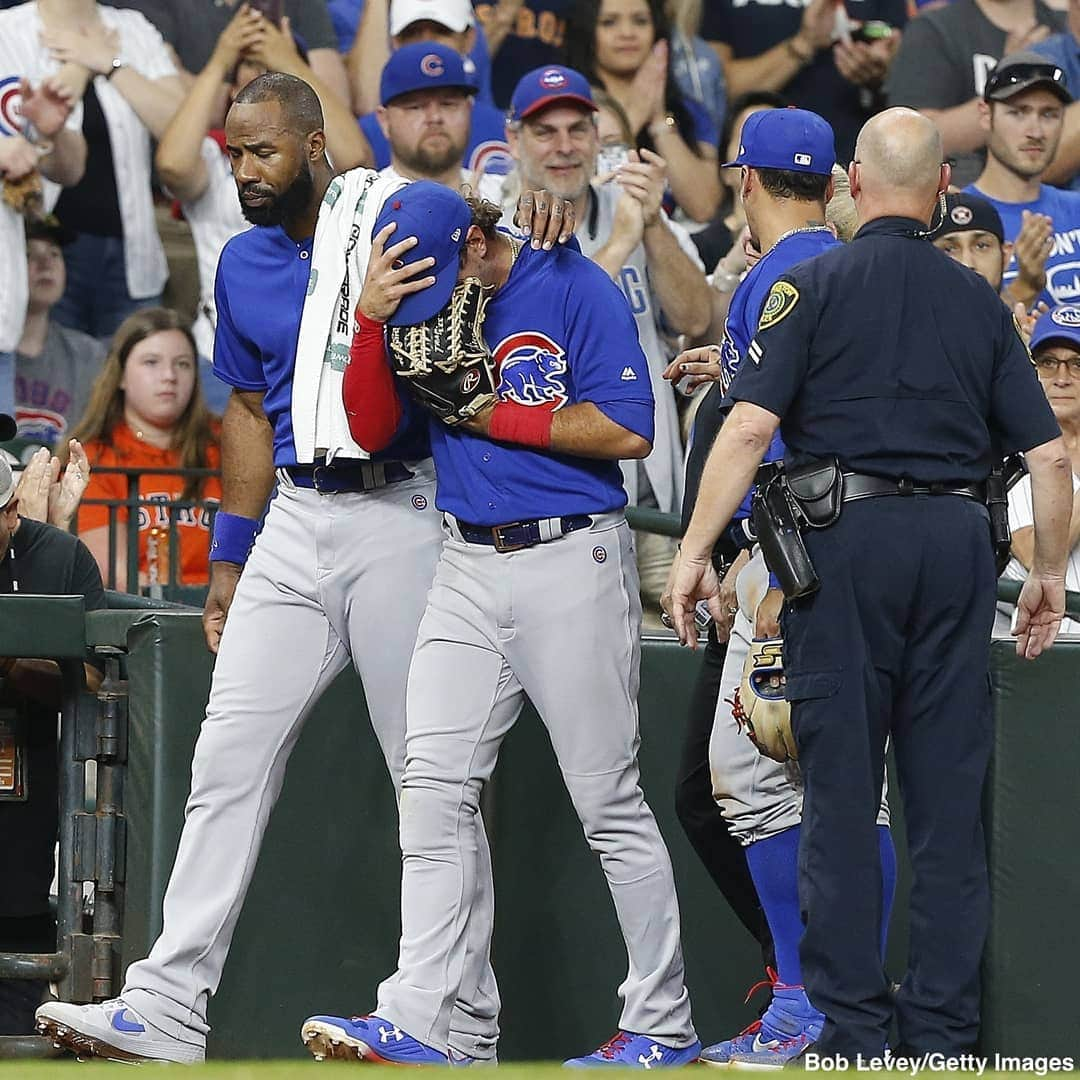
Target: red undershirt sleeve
371,399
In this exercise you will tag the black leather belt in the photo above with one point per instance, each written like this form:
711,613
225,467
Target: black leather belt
861,486
522,534
347,475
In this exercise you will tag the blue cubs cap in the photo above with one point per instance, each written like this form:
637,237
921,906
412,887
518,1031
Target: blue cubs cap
544,86
1059,324
439,218
795,140
424,65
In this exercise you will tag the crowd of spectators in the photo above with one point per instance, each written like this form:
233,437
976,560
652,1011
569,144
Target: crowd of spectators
111,123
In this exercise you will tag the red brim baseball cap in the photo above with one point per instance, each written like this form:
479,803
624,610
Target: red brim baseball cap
546,86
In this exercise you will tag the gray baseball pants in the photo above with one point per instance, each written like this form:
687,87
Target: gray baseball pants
558,622
331,577
758,797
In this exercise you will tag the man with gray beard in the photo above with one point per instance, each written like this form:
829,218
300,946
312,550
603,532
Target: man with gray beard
553,138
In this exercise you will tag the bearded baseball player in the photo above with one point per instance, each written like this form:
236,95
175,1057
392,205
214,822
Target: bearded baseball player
348,537
537,571
786,157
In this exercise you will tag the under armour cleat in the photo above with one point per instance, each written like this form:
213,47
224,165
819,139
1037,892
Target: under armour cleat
366,1038
112,1030
637,1052
789,1026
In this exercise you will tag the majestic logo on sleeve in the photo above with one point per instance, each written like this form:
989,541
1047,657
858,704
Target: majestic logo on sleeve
10,106
779,304
531,370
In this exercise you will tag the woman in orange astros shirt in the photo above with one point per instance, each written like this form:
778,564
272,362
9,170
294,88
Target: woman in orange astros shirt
146,412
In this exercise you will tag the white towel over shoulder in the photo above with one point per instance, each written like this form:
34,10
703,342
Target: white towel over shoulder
339,259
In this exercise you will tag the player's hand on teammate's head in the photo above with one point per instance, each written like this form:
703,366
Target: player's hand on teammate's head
547,218
389,277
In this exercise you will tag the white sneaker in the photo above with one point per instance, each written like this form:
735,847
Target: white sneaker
112,1030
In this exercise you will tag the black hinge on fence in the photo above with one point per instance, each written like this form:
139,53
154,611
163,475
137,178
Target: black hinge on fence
100,838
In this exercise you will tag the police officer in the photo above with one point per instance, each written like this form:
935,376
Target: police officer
907,368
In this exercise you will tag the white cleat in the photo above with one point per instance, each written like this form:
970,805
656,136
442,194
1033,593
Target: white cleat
112,1030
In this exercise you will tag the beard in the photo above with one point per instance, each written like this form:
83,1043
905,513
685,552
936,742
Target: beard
294,200
431,162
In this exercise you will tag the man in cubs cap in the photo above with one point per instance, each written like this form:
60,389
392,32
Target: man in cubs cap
971,232
426,65
792,140
427,95
546,86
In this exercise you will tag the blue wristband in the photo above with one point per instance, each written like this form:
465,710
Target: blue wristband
233,537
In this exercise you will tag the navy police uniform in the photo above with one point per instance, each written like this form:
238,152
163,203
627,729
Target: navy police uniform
907,367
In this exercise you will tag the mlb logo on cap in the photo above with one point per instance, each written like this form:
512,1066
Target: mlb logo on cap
548,86
795,140
424,65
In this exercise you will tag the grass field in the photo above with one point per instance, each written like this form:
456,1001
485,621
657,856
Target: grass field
240,1070
283,1070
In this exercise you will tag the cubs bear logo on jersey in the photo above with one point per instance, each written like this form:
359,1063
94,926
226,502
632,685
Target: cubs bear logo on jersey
532,370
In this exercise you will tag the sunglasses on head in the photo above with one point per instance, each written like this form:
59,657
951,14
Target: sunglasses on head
1022,73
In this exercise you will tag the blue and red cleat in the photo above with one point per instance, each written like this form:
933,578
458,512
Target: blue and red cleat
637,1052
366,1038
788,1027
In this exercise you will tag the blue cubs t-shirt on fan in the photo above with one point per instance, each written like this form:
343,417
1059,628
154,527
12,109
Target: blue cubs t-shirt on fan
560,332
1063,262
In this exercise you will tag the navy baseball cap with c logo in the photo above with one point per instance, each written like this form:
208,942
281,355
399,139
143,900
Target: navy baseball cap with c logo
795,140
439,218
423,65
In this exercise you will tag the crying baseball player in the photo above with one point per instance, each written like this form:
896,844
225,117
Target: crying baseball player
535,593
349,536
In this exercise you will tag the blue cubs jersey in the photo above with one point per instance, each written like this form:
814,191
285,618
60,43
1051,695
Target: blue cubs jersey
560,332
486,151
742,319
262,280
1063,262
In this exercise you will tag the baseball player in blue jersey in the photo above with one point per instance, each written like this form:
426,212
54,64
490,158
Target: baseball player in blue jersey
347,539
787,157
537,570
